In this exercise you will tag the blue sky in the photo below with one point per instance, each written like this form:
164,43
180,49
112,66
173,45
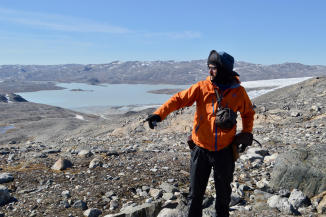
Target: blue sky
90,32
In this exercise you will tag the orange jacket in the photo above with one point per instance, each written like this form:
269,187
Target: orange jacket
205,133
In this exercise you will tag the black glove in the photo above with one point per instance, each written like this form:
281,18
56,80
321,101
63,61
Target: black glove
152,119
242,148
243,140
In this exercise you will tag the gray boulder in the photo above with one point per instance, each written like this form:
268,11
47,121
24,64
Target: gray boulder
302,168
4,195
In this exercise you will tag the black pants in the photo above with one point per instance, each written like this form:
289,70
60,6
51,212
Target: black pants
202,161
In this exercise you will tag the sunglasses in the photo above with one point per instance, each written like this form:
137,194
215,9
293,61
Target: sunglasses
212,68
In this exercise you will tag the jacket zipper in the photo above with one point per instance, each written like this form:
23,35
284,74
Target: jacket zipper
198,123
213,106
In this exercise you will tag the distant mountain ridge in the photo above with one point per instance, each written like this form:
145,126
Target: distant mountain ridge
156,72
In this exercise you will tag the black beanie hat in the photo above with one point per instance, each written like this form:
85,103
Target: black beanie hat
222,60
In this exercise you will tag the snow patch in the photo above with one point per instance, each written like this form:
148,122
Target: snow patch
79,117
8,99
279,83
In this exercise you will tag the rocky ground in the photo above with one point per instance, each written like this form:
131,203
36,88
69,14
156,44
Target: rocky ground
117,165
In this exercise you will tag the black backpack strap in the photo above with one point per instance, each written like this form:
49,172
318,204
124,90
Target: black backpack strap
218,98
217,95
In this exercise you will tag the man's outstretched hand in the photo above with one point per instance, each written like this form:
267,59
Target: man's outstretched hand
152,119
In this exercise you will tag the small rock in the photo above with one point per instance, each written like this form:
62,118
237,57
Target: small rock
316,200
6,177
168,188
66,204
62,164
143,194
155,193
171,213
244,187
168,196
40,155
51,151
93,212
113,204
85,153
295,114
94,163
321,208
284,193
110,194
66,194
270,158
297,199
79,204
235,198
286,207
260,151
274,200
4,195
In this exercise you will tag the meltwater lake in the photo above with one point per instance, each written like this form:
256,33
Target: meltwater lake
124,95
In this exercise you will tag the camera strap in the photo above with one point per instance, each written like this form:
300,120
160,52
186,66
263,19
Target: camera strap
218,99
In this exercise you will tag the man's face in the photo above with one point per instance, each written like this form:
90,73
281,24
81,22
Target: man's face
212,71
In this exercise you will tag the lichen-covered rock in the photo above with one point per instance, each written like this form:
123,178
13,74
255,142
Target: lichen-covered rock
302,168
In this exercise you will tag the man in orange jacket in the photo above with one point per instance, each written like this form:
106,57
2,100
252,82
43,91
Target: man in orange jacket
212,141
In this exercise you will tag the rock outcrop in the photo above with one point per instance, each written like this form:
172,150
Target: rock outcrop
302,168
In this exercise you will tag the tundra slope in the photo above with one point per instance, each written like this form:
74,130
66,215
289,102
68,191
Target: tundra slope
131,159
